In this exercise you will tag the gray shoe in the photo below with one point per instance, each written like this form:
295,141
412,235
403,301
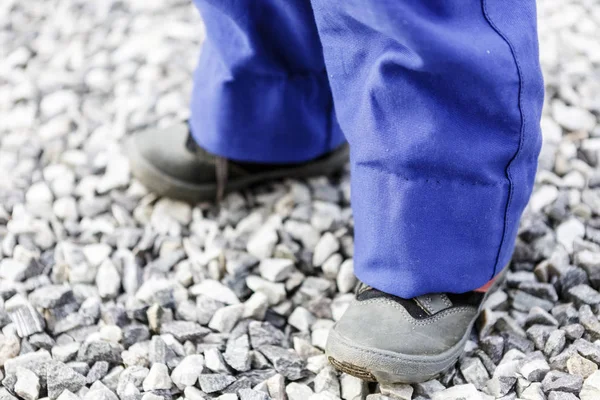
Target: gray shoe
388,339
169,162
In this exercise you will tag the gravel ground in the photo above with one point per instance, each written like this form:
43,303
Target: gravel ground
108,292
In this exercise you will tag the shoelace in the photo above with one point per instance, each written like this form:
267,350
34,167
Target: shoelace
221,167
221,171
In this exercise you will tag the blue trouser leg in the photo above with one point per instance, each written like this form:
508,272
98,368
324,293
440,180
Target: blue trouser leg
260,90
440,101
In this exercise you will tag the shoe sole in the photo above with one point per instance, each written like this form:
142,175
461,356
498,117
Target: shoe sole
376,365
165,185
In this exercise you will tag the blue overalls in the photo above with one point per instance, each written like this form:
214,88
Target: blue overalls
440,101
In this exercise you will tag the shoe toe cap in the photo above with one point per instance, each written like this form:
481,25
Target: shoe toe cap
165,150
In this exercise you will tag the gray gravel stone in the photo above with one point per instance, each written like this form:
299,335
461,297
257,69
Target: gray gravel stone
184,330
97,372
584,294
99,350
61,377
555,343
251,394
286,362
36,362
534,369
588,350
237,353
589,321
574,331
500,386
561,396
474,372
26,318
560,381
210,383
264,333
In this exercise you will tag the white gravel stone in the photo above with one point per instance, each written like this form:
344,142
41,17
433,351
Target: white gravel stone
276,387
463,392
346,281
398,391
301,319
193,393
215,290
331,266
572,118
568,231
158,378
178,210
225,318
187,372
352,388
262,243
9,348
306,234
108,280
214,361
591,387
256,306
27,385
275,292
543,197
298,391
327,245
68,395
276,269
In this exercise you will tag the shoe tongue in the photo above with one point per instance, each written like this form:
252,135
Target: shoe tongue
433,303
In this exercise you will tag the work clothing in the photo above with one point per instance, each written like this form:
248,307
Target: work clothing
440,102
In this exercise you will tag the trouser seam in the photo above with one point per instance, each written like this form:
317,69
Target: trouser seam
431,181
521,133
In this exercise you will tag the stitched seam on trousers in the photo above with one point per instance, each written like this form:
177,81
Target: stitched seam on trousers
430,181
329,127
521,132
